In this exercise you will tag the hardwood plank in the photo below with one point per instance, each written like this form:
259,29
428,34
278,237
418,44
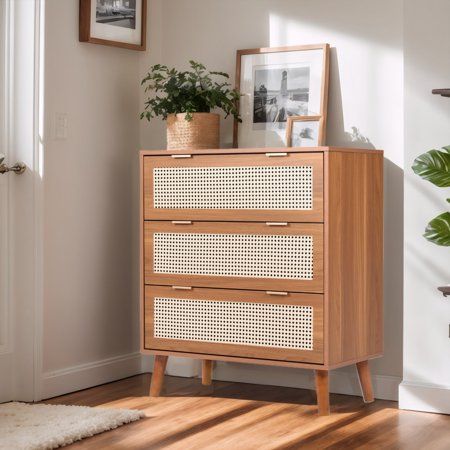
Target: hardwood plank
247,416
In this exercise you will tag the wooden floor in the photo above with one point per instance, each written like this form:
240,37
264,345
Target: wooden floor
246,416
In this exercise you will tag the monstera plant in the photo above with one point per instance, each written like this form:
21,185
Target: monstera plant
434,166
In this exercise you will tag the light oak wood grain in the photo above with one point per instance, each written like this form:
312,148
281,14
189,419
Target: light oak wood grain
158,375
315,160
273,284
246,351
251,360
353,256
207,369
365,380
259,150
322,392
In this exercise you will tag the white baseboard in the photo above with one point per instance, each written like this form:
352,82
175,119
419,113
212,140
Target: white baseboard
6,385
424,397
83,376
147,363
342,381
178,367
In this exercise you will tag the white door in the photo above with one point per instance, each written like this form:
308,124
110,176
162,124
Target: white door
19,195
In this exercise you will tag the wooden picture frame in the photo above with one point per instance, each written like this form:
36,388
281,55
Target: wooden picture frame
290,124
132,39
320,54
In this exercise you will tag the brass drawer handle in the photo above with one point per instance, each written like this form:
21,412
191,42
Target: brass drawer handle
182,288
276,293
182,222
181,156
276,154
276,224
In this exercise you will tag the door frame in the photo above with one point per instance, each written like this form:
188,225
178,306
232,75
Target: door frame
23,142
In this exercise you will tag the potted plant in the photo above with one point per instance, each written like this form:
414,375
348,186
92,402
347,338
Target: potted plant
434,166
186,103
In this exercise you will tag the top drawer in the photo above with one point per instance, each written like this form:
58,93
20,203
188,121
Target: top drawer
255,187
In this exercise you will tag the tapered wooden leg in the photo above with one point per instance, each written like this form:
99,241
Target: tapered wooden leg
207,366
323,392
158,375
365,381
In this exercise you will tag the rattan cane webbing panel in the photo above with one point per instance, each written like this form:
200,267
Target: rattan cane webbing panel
234,255
240,323
259,187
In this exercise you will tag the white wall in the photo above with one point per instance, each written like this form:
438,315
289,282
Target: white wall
366,92
426,384
90,217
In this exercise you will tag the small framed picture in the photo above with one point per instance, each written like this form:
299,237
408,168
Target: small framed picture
304,131
119,23
277,83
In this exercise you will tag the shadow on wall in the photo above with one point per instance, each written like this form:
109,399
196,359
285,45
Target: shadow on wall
393,221
336,133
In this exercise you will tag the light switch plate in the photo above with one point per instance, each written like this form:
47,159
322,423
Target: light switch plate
61,125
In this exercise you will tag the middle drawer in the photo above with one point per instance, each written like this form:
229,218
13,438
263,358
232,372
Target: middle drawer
235,255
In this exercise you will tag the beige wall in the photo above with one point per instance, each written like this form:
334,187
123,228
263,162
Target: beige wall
90,252
426,384
366,94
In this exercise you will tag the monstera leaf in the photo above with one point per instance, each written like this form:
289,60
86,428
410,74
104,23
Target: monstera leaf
438,230
434,166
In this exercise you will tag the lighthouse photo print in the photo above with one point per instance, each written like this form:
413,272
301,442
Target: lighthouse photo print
280,92
277,84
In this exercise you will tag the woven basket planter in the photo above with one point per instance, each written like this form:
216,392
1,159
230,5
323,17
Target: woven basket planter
201,132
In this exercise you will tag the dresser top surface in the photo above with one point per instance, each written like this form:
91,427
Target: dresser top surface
236,151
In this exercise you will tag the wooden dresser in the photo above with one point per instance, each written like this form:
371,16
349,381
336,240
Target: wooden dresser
264,256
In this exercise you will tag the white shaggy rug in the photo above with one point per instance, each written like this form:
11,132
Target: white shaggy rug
39,427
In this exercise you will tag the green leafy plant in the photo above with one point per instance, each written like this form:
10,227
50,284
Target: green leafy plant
434,166
192,91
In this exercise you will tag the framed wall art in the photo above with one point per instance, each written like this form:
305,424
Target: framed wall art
276,83
119,23
304,131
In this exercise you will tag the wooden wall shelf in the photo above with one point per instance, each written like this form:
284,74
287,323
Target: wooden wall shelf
445,290
442,92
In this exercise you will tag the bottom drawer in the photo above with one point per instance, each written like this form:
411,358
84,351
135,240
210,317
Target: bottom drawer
251,324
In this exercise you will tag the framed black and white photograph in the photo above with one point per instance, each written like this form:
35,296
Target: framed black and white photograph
119,23
278,83
304,131
274,99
